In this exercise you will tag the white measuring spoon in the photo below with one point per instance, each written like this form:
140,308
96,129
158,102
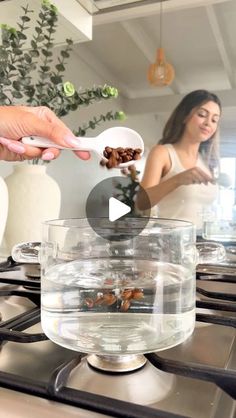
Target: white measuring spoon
115,137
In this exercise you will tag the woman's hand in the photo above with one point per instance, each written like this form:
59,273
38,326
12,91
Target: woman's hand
193,175
19,121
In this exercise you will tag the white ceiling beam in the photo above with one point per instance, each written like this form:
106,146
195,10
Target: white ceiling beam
141,39
98,68
220,44
145,45
76,15
150,92
149,9
88,5
167,103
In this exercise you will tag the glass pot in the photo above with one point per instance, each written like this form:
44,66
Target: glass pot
118,296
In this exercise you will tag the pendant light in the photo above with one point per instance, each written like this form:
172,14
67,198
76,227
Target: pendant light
161,73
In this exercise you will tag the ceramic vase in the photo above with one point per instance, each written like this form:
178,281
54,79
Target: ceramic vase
34,197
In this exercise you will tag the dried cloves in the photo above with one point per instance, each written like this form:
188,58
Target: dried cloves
122,299
116,156
125,304
109,299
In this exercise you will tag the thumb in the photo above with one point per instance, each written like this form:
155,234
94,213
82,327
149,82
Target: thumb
54,130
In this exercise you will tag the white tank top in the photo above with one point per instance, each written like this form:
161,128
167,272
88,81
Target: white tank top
188,202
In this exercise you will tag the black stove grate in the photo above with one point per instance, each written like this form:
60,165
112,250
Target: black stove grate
9,265
56,390
217,295
33,295
218,306
225,379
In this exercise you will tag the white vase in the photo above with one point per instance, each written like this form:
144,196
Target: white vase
3,207
34,197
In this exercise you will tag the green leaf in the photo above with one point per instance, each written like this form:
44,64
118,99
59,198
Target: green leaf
3,54
33,44
26,81
50,44
73,106
45,68
22,36
92,125
46,53
65,54
6,81
60,67
34,53
56,79
17,94
40,38
25,18
16,85
22,72
81,132
18,51
51,30
69,41
38,30
3,96
27,58
30,91
12,67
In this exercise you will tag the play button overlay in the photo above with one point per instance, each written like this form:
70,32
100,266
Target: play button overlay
117,209
110,209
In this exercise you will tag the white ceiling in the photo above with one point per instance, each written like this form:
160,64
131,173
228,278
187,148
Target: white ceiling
199,38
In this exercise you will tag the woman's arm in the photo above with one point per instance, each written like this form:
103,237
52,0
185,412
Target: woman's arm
158,164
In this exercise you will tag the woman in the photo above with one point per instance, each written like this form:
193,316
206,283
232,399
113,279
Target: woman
179,173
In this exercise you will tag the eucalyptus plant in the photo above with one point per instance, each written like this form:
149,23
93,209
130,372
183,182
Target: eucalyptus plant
127,191
29,75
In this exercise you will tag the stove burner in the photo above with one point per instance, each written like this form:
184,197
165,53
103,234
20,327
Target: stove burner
32,270
117,364
144,386
153,385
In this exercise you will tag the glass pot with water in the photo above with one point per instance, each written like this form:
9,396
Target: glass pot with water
118,296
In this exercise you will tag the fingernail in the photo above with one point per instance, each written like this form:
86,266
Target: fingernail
16,147
72,141
48,156
4,141
84,155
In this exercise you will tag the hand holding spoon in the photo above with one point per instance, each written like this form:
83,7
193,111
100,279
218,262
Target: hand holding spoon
115,137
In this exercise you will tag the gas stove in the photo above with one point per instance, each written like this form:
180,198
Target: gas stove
196,379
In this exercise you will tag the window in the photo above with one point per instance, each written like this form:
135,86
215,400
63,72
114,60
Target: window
227,194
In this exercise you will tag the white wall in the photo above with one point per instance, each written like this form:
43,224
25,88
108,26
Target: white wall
75,177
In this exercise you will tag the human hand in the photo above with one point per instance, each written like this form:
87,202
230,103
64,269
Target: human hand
19,121
193,175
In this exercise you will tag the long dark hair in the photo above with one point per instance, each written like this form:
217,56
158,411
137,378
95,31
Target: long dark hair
175,125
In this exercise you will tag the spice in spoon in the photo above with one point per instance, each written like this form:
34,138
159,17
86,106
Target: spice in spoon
116,156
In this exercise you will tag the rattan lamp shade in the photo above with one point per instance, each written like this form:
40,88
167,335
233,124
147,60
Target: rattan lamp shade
161,73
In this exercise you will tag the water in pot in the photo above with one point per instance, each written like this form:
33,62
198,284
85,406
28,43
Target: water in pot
114,297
